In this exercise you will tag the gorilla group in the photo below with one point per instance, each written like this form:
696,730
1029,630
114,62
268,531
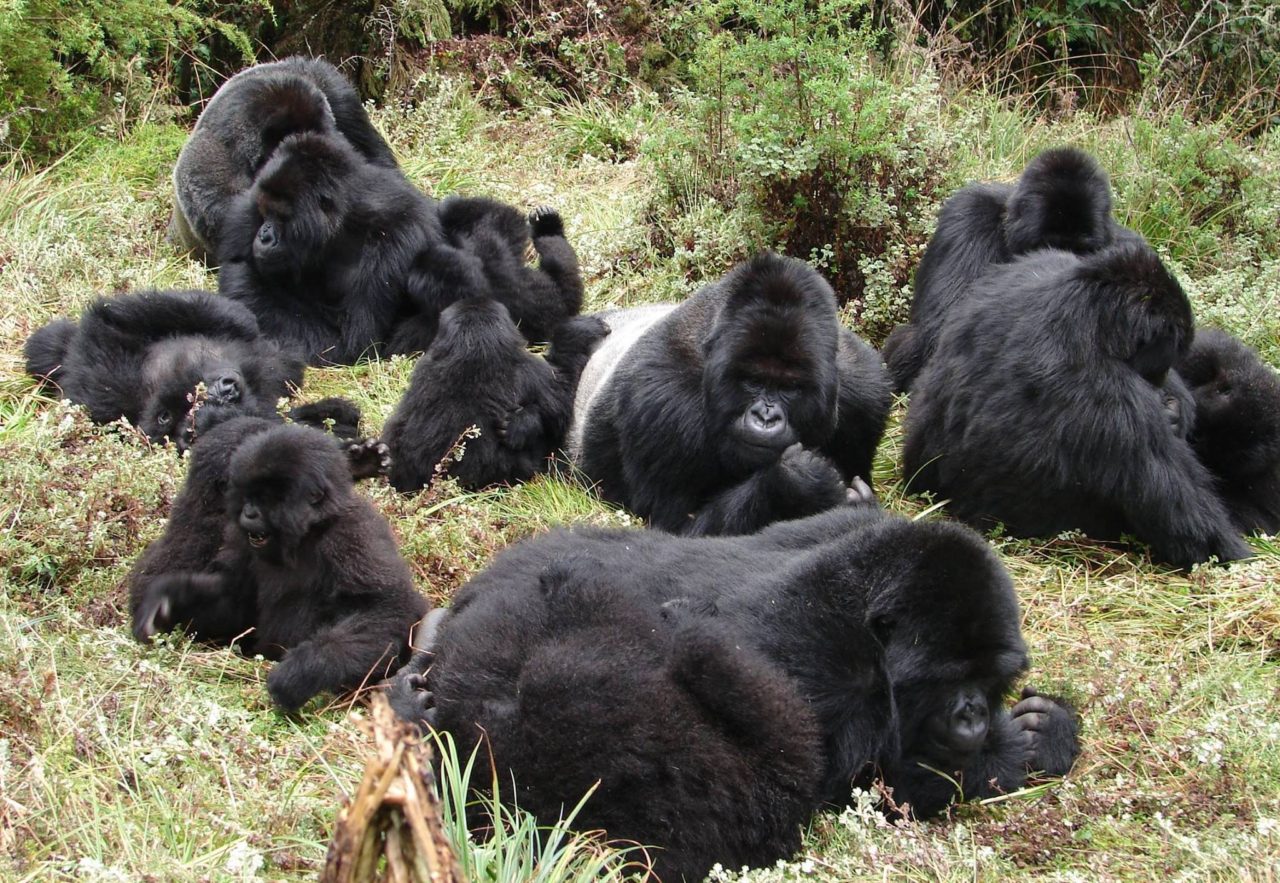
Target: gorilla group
743,405
719,689
269,547
478,373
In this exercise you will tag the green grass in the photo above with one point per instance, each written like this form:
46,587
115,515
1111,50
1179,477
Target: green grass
119,762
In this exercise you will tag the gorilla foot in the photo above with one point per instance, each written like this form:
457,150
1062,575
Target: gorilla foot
425,634
411,699
860,493
369,458
546,221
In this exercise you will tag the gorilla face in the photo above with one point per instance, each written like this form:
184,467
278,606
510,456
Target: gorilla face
171,375
302,203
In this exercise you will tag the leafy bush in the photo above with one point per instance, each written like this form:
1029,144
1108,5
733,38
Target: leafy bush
793,130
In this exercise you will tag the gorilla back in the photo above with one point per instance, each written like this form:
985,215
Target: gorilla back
744,405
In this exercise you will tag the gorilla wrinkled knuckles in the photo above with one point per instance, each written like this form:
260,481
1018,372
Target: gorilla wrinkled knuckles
902,639
249,115
144,356
1236,429
307,573
743,405
1061,200
478,373
1044,407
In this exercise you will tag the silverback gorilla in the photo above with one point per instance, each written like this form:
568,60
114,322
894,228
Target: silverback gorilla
241,125
1237,426
901,639
308,572
478,372
141,356
743,405
1062,200
1042,407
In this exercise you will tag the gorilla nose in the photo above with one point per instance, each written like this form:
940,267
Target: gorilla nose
251,517
765,418
969,723
225,389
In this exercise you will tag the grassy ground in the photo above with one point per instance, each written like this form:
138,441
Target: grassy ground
119,762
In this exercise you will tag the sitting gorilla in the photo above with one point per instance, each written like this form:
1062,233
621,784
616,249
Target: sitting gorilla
241,125
478,373
744,405
484,256
901,637
1042,407
320,248
1237,426
700,747
1062,200
308,572
141,356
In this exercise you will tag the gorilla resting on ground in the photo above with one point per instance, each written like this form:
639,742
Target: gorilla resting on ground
141,356
478,373
1062,200
1237,426
241,125
1042,407
308,572
743,405
901,637
701,746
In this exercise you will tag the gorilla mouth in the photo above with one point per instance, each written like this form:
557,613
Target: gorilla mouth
257,540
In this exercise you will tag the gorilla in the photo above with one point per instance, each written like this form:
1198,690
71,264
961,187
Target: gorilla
240,127
1237,426
744,405
701,746
1062,200
1042,407
308,572
477,372
901,637
141,356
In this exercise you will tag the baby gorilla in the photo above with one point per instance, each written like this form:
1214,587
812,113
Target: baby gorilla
141,356
693,743
308,573
1043,407
478,373
1237,426
744,405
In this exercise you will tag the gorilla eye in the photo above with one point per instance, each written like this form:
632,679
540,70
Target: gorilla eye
317,497
326,204
883,624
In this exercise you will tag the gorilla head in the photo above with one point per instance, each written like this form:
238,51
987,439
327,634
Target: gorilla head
1062,200
769,379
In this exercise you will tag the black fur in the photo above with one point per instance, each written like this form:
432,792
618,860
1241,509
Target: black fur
744,405
140,356
243,123
308,571
1237,426
885,625
1041,407
477,372
1062,200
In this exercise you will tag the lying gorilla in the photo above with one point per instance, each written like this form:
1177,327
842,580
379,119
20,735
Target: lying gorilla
1237,426
901,637
242,124
1062,200
308,572
1042,407
701,746
477,372
141,356
744,405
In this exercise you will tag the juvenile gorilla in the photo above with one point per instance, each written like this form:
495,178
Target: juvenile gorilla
701,747
1237,426
308,572
1042,407
477,372
745,404
1062,200
246,119
902,638
141,356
